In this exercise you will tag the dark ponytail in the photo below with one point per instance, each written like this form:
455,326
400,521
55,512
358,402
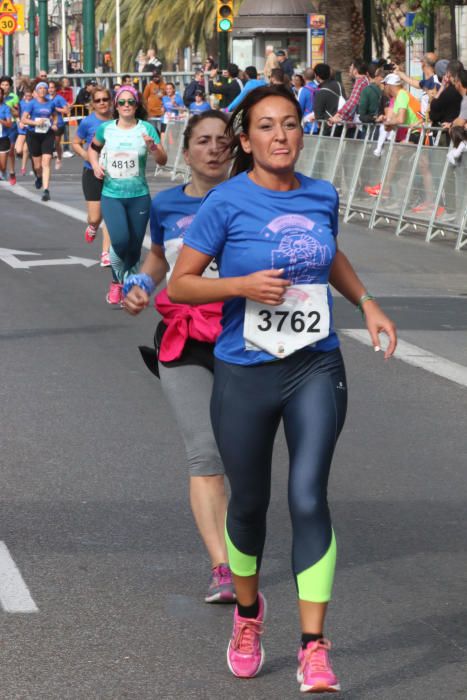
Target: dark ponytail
240,122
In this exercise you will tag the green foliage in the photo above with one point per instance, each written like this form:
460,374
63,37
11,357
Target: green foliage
167,25
423,12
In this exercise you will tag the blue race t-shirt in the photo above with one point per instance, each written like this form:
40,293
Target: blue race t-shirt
11,101
40,110
171,109
196,108
86,130
250,228
59,102
5,113
172,212
23,107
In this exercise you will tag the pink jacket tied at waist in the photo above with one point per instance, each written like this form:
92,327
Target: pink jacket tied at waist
184,321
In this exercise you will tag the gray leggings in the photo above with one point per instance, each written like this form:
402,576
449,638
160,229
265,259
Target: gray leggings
188,390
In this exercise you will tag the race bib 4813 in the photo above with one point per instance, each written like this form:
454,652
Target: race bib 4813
123,164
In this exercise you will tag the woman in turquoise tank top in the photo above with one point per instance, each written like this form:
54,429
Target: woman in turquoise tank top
125,195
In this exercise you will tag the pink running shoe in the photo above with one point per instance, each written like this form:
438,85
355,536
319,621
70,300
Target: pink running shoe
105,259
115,294
245,653
221,588
315,673
90,233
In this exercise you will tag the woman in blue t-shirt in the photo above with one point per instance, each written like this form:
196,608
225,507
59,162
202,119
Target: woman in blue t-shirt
199,104
92,186
41,121
186,371
172,104
5,125
273,233
21,147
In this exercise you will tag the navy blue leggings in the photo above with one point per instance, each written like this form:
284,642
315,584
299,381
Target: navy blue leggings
308,390
126,220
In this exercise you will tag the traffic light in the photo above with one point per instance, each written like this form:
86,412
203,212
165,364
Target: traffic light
225,16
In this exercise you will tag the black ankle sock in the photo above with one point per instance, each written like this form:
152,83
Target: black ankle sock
249,610
307,638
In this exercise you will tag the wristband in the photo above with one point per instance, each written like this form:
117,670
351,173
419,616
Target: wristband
144,281
153,147
362,300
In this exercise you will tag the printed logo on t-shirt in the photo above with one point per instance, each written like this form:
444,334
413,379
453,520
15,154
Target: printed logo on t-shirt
174,244
299,249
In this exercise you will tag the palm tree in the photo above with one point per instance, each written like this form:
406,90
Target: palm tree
168,24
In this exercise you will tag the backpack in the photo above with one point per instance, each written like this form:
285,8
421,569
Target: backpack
341,101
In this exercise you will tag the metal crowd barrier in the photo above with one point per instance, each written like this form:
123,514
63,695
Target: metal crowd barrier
77,113
172,140
416,186
411,185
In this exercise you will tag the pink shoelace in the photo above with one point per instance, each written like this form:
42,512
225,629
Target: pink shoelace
316,655
223,575
246,635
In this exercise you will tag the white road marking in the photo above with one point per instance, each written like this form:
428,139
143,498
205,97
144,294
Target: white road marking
9,256
14,594
70,260
418,357
65,209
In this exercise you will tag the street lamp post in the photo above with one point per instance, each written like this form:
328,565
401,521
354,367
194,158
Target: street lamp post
43,36
9,58
89,28
117,37
64,69
32,38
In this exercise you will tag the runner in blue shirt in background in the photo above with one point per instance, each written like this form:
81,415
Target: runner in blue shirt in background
63,110
11,99
21,147
41,121
172,103
5,125
92,186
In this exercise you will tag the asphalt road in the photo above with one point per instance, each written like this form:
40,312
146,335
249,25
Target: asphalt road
93,497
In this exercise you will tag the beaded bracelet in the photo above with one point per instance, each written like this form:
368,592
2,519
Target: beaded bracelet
362,300
142,280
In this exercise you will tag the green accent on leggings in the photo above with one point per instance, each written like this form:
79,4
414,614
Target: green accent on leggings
315,584
240,564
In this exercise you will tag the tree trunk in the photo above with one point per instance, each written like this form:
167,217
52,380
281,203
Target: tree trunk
452,9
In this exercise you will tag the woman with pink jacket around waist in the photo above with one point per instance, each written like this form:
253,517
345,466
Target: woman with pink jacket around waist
186,335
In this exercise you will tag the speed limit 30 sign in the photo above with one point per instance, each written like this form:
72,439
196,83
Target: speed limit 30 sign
8,24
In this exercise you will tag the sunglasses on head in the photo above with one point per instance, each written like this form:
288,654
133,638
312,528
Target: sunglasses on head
130,102
102,99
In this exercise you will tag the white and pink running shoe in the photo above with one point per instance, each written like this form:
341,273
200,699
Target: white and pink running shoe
315,673
90,233
245,653
105,259
115,294
221,588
